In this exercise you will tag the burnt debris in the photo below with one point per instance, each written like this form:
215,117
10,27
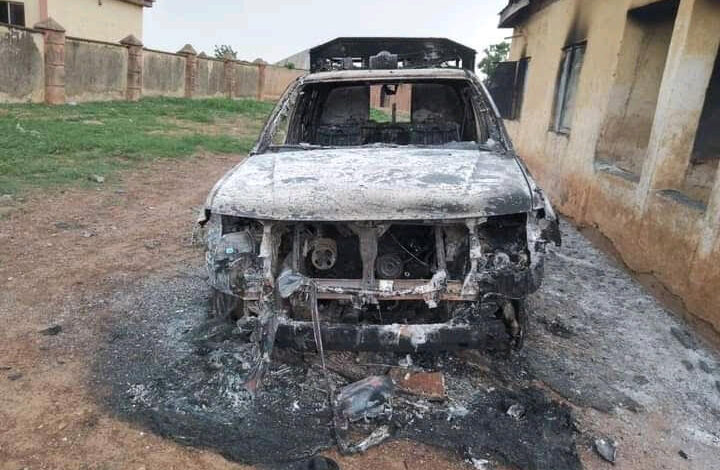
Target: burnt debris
173,368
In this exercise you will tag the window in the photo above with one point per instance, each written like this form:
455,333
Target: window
394,103
422,112
507,87
12,13
566,87
622,146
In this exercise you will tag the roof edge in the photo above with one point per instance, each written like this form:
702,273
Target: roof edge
140,3
512,12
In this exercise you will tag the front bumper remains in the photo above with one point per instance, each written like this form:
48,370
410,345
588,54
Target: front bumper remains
395,337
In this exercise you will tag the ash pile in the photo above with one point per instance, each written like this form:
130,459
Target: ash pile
168,365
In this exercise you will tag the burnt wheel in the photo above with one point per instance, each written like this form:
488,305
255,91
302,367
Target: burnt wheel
226,306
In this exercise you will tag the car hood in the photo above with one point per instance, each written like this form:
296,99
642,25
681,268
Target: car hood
373,183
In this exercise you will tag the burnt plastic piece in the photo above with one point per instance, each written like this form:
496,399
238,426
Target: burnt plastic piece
365,399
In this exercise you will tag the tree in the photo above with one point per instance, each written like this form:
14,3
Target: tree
224,51
492,55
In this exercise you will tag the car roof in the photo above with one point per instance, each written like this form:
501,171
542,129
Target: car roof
392,74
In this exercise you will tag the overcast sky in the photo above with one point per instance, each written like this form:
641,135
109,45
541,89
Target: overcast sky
274,29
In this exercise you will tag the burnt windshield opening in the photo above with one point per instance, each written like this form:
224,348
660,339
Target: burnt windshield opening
422,113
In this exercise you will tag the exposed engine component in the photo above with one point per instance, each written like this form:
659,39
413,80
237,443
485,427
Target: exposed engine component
389,266
501,260
407,248
323,253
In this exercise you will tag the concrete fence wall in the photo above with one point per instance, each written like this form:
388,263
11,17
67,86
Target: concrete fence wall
246,78
22,59
210,77
163,74
41,64
94,71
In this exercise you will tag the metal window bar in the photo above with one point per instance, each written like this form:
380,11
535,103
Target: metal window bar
565,91
12,13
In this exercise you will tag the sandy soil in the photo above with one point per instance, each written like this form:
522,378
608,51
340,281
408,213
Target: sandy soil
629,369
62,248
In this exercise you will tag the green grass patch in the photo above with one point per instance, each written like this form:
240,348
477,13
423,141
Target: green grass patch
46,146
380,116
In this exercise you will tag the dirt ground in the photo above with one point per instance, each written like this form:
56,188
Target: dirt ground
627,368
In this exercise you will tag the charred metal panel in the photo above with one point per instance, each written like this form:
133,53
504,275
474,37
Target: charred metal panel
435,102
413,52
375,183
339,76
351,102
399,338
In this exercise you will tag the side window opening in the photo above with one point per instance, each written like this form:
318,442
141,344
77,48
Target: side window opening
566,87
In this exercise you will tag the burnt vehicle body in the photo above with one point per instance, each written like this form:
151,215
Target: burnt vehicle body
349,229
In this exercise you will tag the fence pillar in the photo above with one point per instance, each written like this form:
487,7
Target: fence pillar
228,77
261,80
54,38
190,55
133,90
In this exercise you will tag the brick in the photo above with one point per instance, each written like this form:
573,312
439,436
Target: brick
430,385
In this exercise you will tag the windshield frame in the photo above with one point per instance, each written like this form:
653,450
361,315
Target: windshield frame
484,110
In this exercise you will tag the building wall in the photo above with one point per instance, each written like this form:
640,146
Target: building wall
109,20
657,225
301,60
33,12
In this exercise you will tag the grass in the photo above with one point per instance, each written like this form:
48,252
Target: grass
380,116
42,146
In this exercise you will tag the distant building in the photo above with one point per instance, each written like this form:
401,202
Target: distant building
615,107
301,60
100,20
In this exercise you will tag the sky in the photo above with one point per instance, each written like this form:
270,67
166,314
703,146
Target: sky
274,29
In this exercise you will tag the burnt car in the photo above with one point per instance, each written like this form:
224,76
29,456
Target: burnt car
382,208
